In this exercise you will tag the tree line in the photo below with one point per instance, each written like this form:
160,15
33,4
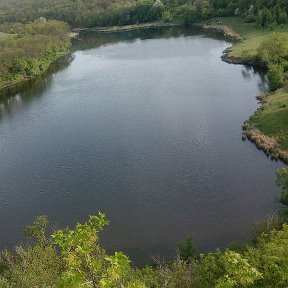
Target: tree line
90,13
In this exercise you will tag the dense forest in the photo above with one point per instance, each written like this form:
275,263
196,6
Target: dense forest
89,13
27,50
74,258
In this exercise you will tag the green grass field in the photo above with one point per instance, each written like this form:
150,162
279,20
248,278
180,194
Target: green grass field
253,35
273,119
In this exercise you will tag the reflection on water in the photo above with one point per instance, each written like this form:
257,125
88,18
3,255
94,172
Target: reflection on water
249,71
19,97
85,41
89,40
146,127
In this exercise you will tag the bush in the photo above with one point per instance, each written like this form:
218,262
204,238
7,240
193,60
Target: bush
265,18
187,249
187,14
167,17
276,76
282,182
273,49
37,265
251,18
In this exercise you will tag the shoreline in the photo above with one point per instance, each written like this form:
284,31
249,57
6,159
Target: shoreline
125,28
267,144
227,31
226,57
74,33
20,81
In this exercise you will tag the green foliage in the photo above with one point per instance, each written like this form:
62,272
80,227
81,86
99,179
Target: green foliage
247,54
37,265
265,18
36,231
189,14
208,270
187,249
85,13
88,13
266,226
224,270
238,271
270,257
29,54
274,49
84,258
119,273
169,275
276,76
81,262
282,182
87,264
250,18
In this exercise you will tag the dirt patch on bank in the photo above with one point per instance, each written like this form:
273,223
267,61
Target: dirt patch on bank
268,145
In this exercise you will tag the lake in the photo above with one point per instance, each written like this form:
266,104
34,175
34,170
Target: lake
146,127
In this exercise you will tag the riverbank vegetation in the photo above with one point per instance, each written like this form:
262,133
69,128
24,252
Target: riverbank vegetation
268,126
27,50
268,48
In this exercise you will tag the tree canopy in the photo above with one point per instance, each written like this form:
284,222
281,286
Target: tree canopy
29,49
88,13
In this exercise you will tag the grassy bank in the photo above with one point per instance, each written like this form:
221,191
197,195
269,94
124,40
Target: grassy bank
268,126
272,118
252,35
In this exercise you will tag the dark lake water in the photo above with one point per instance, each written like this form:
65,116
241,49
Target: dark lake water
146,127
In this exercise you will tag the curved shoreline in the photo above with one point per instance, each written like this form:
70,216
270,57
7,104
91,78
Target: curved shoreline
75,33
227,31
267,144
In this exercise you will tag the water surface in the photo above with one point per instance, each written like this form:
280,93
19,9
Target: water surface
146,127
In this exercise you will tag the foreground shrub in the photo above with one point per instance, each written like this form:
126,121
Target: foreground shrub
74,258
187,249
37,265
270,256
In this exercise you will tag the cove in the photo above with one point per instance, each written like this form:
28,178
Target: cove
144,126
